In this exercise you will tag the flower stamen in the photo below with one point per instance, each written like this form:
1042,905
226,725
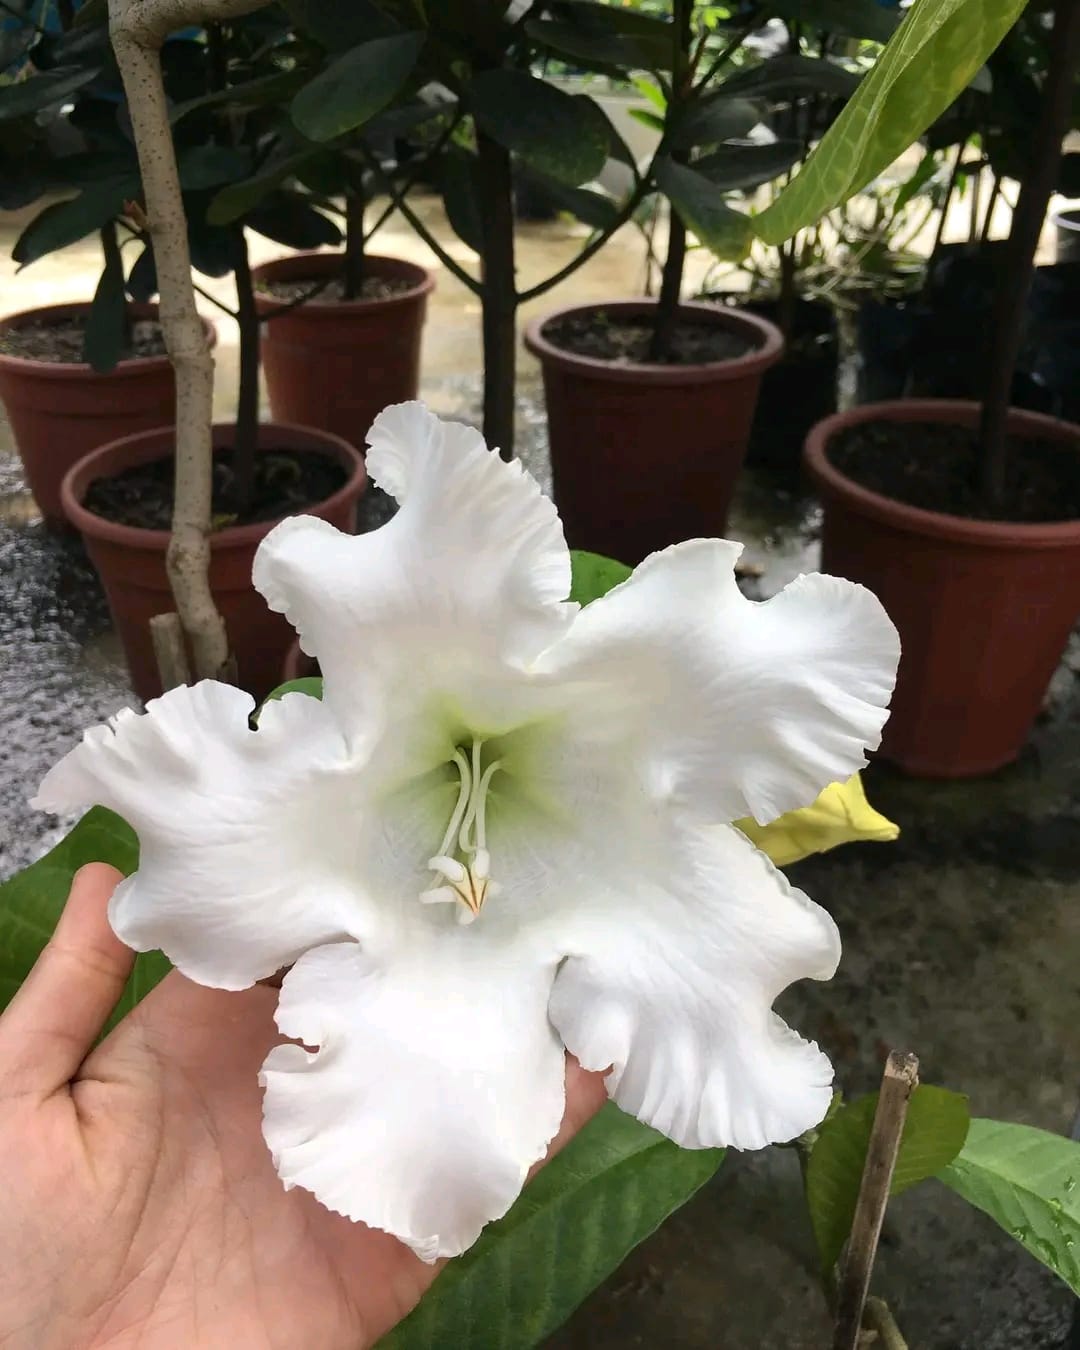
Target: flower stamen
465,881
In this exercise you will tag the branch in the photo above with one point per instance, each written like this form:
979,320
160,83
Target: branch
137,29
593,246
900,1080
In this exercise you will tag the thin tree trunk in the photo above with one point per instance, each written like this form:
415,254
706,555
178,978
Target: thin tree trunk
1019,265
353,281
247,408
667,306
499,295
137,29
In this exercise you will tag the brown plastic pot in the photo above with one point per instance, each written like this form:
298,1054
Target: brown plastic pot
131,562
337,364
645,455
984,608
60,411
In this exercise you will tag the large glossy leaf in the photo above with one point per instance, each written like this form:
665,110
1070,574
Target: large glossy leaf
934,1133
719,117
67,222
785,76
202,167
1028,1181
28,96
356,86
575,1222
560,134
250,94
603,51
747,165
31,902
106,327
340,24
847,18
932,56
234,201
289,219
701,205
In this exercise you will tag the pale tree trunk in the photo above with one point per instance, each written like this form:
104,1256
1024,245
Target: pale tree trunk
137,29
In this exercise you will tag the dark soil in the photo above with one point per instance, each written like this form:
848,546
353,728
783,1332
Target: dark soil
935,466
626,342
373,288
61,340
286,482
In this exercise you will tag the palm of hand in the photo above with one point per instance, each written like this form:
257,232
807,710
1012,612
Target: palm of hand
142,1205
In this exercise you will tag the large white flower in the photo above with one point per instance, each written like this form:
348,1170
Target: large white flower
504,831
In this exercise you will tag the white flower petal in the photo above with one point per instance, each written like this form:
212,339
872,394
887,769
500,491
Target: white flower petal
467,582
671,979
733,707
246,837
437,1083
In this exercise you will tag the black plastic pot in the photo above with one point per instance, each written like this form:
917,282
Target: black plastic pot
884,334
797,392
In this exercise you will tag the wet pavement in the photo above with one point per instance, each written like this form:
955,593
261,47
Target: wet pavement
961,943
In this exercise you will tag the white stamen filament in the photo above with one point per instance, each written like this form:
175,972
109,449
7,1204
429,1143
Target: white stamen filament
466,834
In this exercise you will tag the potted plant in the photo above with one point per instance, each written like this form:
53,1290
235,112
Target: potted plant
121,496
964,517
72,376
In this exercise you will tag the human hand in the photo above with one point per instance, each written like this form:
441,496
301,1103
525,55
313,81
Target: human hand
141,1205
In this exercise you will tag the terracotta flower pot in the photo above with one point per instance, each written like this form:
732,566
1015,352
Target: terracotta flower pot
645,455
297,664
984,608
131,562
336,364
60,411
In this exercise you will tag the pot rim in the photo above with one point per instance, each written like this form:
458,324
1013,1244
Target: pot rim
82,473
320,263
768,351
1068,217
937,524
81,370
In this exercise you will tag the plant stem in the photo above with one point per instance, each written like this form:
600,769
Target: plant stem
137,30
595,244
353,280
110,247
995,192
950,189
667,306
247,406
498,297
900,1079
1019,265
787,299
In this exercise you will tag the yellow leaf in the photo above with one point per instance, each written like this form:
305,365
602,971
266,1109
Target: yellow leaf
841,815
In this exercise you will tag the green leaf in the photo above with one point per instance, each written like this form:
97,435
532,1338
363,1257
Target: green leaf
106,329
592,575
726,232
612,1186
311,685
1028,1181
560,134
25,97
924,171
340,24
356,86
930,59
736,167
457,177
67,222
289,219
595,209
238,198
32,900
250,94
788,75
602,51
846,18
202,167
720,117
934,1133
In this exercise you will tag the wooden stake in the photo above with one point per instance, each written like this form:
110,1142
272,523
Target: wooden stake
900,1079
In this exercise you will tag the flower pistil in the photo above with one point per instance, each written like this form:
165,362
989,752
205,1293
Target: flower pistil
462,862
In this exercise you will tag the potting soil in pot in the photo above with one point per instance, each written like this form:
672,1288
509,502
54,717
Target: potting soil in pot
627,341
935,466
286,482
61,340
372,288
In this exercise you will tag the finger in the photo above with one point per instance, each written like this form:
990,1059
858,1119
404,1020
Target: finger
585,1095
53,1021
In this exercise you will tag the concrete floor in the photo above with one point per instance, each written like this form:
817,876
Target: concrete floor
961,940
